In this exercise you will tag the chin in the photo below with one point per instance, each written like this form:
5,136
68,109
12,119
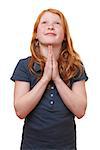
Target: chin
50,43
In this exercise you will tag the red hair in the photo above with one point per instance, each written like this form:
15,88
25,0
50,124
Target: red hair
69,62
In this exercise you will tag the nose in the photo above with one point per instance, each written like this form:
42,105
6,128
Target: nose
51,27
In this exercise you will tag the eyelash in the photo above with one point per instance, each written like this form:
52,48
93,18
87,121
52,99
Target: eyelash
44,22
57,22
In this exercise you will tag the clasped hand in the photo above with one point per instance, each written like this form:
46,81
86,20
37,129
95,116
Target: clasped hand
51,71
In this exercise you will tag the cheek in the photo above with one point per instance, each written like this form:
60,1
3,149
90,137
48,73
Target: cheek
60,32
61,35
39,32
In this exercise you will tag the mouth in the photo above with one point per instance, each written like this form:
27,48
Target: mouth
50,33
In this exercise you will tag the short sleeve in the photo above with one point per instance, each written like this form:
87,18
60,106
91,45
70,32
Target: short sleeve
21,72
78,77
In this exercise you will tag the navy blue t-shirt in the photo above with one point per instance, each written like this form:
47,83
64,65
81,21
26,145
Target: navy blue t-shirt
50,125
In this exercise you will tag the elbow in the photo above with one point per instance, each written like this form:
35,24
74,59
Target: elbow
80,114
19,114
81,111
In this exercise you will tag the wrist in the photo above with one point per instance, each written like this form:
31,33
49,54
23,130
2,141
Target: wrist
57,80
45,80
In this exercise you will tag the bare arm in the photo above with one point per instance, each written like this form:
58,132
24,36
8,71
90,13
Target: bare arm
75,99
24,100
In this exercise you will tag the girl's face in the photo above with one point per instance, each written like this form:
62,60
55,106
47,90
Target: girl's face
50,29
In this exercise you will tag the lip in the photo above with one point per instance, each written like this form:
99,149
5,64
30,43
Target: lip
50,33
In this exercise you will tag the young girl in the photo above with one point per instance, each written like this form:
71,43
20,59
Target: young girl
50,86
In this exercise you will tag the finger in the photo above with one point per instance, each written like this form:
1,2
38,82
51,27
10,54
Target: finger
50,47
55,63
49,52
53,57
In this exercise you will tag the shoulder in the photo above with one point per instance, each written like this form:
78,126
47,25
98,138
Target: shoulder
80,75
25,60
21,71
23,63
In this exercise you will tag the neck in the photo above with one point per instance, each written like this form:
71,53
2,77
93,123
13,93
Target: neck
55,48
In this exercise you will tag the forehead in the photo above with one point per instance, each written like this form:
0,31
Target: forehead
50,15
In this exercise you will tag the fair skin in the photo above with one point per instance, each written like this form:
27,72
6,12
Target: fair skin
50,41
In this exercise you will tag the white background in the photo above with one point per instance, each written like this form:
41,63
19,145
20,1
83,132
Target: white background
16,25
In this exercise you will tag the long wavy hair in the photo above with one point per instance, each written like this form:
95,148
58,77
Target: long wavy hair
69,62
